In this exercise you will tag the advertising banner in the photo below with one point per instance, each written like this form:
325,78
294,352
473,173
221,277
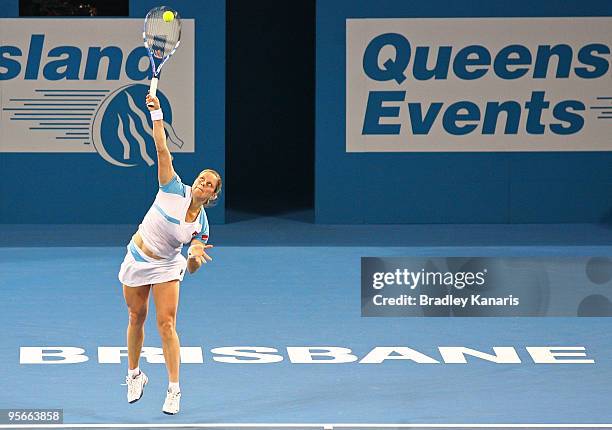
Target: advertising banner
478,84
65,94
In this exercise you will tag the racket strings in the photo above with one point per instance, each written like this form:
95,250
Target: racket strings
161,37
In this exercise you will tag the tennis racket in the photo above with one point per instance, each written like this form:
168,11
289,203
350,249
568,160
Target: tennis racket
162,35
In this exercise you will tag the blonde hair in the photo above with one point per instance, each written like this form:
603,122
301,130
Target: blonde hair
213,200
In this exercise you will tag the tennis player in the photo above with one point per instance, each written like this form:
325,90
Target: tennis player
154,262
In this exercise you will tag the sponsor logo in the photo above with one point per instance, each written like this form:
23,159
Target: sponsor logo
122,128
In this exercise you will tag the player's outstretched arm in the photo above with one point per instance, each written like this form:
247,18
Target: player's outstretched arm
165,171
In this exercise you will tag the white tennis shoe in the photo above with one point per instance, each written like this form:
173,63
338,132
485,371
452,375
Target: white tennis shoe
172,403
135,386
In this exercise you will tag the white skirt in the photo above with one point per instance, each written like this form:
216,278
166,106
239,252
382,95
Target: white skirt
139,269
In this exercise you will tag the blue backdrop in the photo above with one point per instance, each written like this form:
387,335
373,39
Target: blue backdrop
551,187
78,188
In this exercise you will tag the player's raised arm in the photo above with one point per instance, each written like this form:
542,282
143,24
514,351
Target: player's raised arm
165,171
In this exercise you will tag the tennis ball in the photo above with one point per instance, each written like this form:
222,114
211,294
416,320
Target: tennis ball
168,16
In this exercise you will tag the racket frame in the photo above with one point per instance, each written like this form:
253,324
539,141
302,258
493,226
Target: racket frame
157,69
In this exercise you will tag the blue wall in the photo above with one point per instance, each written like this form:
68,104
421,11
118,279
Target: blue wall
547,187
79,188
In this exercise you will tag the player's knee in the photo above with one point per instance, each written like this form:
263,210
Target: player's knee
166,327
137,316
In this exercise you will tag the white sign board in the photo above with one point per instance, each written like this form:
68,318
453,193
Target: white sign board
78,86
478,84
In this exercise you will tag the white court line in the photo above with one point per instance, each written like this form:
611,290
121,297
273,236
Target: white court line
324,426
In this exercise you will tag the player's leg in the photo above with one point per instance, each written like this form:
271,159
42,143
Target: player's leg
166,297
137,300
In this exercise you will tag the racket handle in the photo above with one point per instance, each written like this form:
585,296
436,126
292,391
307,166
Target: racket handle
152,90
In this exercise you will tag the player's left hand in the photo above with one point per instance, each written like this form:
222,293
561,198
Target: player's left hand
198,252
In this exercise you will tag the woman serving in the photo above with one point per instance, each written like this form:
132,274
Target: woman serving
154,261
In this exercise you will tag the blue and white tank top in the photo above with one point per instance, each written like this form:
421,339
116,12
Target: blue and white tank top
164,229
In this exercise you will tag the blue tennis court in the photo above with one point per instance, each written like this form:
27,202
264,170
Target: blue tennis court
281,297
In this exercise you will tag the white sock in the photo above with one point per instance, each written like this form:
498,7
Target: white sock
132,373
173,387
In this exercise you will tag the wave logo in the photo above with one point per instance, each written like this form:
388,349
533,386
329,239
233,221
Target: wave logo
122,131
